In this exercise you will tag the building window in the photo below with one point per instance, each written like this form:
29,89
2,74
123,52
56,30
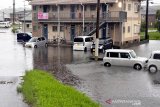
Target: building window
85,7
136,7
129,29
129,7
61,28
54,28
124,30
34,8
34,28
54,8
62,7
27,25
92,7
124,7
136,29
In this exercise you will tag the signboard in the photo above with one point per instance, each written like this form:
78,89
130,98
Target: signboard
42,15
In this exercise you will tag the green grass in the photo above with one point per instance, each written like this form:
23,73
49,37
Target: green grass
152,35
41,89
152,28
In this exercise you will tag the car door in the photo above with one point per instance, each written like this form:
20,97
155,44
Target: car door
114,58
43,41
125,59
88,42
38,43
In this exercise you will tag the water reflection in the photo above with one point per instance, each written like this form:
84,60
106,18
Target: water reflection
48,57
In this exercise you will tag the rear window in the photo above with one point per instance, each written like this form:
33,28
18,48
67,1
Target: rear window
78,40
156,56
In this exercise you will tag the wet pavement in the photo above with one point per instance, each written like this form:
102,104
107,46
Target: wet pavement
111,87
13,63
121,86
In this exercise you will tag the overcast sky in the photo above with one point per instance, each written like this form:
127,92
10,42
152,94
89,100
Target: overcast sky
20,3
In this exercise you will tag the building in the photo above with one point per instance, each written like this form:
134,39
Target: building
151,17
19,15
27,23
119,19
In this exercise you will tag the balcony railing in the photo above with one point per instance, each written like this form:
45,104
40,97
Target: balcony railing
113,16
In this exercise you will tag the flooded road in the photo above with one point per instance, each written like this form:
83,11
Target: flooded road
128,87
13,63
121,86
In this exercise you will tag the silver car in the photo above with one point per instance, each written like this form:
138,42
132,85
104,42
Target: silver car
36,42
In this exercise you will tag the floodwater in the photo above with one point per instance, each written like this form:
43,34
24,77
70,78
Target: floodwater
99,82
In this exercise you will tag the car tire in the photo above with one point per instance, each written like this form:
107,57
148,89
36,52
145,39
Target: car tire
152,69
85,49
107,64
35,46
46,45
137,67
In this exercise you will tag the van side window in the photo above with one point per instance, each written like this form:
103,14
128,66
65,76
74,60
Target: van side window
114,54
107,54
124,55
156,56
88,40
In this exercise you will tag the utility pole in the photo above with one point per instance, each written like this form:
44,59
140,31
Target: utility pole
3,16
24,25
97,31
146,30
13,12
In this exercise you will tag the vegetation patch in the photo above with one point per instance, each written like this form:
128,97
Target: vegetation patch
152,35
41,89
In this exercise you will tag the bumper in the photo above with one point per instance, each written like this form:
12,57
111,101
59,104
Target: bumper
80,48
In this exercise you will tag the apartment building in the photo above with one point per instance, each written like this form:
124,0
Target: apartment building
119,19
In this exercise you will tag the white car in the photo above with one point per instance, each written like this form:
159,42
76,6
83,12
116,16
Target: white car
123,57
83,43
154,62
36,42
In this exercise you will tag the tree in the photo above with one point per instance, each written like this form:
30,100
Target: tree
158,19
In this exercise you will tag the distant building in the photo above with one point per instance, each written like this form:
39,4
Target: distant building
119,19
151,17
19,15
27,23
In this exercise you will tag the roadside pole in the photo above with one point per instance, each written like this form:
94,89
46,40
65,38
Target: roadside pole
97,31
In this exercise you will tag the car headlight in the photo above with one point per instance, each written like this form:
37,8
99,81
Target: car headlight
101,47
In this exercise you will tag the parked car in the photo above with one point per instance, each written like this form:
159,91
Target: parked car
122,57
36,42
82,43
23,37
104,43
154,62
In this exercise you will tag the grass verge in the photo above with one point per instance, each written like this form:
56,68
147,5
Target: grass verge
152,35
41,89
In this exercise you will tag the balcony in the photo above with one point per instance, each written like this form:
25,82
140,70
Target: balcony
113,16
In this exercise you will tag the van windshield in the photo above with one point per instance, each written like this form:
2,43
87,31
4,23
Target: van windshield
133,54
78,40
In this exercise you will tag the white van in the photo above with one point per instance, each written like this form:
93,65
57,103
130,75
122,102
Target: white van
154,62
123,57
4,24
82,43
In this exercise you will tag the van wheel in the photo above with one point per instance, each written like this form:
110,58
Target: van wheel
35,46
107,64
137,67
85,49
46,45
152,69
